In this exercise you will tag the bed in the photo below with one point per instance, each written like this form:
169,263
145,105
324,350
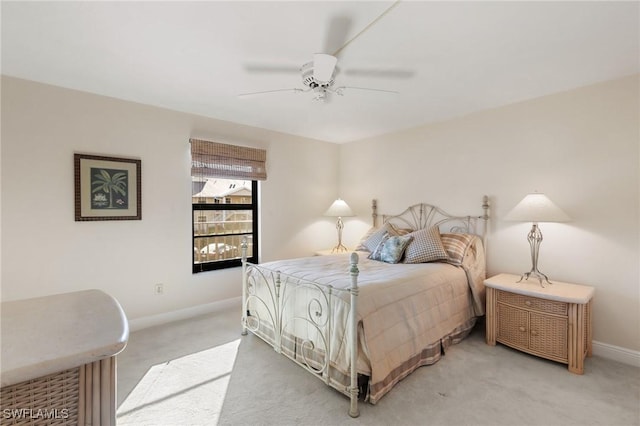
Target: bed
363,321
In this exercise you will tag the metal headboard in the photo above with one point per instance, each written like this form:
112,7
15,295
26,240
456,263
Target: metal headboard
421,216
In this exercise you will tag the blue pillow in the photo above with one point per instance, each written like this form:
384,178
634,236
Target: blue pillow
391,248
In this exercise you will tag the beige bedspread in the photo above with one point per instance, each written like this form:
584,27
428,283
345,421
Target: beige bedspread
406,312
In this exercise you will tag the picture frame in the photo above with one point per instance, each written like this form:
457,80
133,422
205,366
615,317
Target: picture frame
107,188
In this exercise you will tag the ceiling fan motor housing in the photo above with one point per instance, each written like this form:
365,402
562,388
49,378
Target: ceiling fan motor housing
309,80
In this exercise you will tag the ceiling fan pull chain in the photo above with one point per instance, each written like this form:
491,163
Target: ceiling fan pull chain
366,28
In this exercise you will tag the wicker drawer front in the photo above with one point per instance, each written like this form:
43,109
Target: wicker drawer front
48,400
513,326
549,336
533,303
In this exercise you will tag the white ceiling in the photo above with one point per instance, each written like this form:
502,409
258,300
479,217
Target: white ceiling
445,58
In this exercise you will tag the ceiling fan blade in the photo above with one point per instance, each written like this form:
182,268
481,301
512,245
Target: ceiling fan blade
323,67
379,73
296,90
340,90
337,33
268,68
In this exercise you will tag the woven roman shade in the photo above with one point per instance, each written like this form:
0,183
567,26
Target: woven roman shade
219,160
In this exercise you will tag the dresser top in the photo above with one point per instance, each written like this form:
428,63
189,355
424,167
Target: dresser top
558,291
45,335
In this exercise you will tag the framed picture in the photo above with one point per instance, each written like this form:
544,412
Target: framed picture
107,188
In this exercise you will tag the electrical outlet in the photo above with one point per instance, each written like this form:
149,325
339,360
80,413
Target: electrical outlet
159,289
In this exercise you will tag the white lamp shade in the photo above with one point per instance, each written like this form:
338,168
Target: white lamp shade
537,208
339,209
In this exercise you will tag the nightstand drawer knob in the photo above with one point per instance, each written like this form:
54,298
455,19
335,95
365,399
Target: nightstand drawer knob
527,302
522,329
534,333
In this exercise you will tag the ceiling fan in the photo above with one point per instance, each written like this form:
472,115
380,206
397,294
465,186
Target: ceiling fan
318,76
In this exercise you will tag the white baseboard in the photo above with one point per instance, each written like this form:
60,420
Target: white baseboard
166,317
616,353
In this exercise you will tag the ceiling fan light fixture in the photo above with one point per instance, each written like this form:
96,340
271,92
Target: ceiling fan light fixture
319,94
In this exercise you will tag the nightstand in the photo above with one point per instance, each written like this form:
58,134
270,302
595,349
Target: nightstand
552,322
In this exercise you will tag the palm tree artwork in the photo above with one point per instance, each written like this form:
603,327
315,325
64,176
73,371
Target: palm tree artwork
109,188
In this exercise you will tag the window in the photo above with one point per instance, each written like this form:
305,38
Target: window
219,228
224,203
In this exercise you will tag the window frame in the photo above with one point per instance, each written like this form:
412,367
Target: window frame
215,265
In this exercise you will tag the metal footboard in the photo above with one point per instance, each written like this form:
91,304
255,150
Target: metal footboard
302,319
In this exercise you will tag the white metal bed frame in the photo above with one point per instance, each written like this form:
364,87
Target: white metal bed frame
271,289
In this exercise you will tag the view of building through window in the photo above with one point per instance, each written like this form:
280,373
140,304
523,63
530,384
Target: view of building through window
223,212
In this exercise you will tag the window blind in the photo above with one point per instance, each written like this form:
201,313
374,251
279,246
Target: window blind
219,160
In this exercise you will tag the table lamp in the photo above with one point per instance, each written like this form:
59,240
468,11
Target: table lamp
536,208
339,209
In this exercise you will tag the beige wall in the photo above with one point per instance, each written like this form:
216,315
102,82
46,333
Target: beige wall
44,251
579,147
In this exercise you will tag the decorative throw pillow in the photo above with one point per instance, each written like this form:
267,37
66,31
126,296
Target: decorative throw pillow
394,248
365,237
375,253
456,246
374,238
426,246
402,231
391,248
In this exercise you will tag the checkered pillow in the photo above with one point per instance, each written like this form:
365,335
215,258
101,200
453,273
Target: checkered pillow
426,246
372,238
456,246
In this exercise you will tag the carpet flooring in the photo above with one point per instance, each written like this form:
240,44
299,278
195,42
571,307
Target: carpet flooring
201,371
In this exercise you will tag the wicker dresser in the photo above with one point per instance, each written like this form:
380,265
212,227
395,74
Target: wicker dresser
59,359
552,322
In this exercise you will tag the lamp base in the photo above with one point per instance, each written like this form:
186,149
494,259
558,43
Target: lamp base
537,274
535,238
339,249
